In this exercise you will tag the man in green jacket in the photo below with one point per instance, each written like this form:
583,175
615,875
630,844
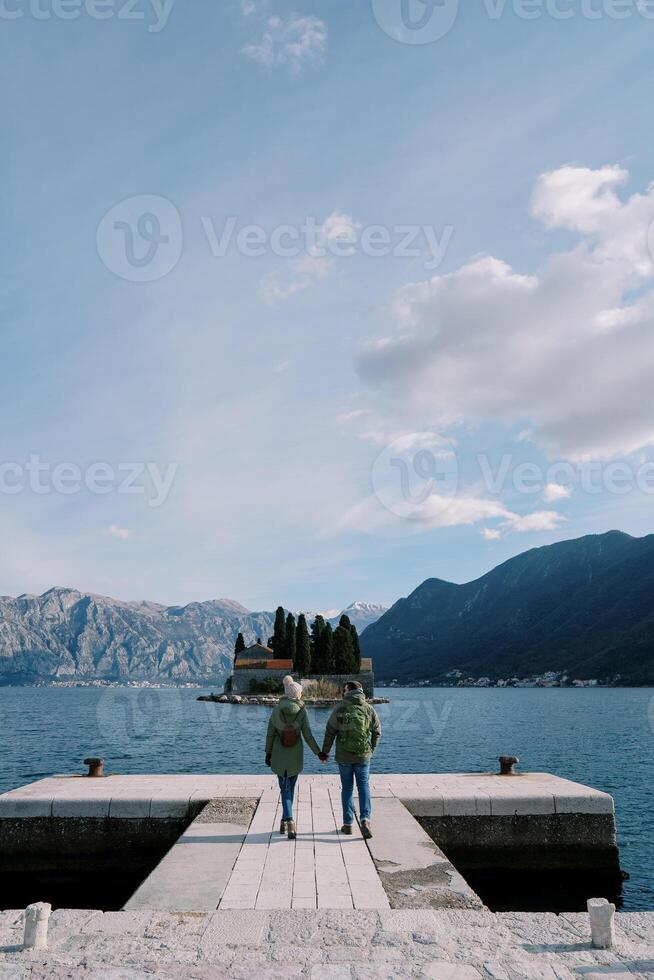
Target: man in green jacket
356,727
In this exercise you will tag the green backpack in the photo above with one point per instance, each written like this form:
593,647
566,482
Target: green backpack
354,734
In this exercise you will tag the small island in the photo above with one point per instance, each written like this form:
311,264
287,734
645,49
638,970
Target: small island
322,659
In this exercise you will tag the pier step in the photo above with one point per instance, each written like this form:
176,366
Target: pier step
194,873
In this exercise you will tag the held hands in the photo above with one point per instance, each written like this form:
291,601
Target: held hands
268,759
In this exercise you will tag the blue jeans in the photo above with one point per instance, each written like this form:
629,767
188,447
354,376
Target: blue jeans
361,772
287,789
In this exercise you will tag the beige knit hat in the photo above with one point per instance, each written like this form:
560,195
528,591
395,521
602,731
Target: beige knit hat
291,689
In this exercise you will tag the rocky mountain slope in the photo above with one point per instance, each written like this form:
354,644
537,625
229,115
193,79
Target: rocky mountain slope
65,634
584,607
68,635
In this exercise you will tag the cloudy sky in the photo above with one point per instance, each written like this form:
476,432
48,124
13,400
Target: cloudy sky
303,302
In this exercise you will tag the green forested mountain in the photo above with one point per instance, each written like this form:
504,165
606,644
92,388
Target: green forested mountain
584,607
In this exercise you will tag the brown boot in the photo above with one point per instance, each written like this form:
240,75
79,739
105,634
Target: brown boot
366,830
347,829
282,826
290,828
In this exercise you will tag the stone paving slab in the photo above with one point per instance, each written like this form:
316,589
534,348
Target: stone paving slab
361,945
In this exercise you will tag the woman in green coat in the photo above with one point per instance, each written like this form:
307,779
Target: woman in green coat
287,728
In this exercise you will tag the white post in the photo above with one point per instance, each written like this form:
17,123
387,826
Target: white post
36,926
602,922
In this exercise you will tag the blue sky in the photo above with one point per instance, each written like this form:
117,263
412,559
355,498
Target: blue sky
242,425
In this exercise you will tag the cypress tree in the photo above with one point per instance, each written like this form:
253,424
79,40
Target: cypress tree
356,651
279,633
302,647
343,650
290,638
317,628
239,646
326,648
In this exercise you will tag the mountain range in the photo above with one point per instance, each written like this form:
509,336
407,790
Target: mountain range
584,608
65,635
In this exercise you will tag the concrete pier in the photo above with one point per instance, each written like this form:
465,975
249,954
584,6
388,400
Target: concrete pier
73,826
215,887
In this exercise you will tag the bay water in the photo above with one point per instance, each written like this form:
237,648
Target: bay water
601,737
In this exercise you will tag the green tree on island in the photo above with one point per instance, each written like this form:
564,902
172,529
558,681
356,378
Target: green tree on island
356,660
302,647
343,650
239,646
317,627
279,633
324,657
291,633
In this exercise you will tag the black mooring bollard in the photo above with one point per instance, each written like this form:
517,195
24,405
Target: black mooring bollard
96,767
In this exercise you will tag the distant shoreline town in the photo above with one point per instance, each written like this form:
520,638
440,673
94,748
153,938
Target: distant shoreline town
455,678
547,680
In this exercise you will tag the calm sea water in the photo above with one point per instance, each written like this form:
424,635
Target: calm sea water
604,738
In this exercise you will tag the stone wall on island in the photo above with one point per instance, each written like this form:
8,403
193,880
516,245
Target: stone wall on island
241,679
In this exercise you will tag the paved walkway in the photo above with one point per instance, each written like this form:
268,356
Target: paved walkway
334,945
322,869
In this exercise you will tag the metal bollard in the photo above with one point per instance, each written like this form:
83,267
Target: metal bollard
508,764
36,926
96,767
602,922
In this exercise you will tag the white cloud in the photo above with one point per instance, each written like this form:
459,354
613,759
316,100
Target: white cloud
544,520
338,230
578,198
372,516
291,42
357,413
555,491
122,533
251,7
283,366
303,274
567,350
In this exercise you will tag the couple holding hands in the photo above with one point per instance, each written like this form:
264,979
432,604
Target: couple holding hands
354,725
